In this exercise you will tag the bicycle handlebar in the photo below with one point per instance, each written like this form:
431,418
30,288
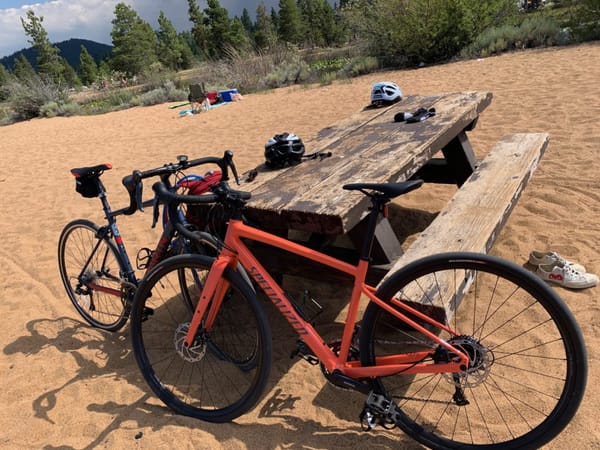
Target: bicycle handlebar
133,183
223,192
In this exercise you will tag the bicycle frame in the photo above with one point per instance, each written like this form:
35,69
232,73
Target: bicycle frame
114,234
234,251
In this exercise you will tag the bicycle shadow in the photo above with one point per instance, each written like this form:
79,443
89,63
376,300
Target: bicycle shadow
101,357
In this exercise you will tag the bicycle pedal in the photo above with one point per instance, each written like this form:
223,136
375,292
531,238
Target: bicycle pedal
379,410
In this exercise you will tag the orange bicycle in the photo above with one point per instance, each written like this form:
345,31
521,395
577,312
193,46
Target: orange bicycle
504,367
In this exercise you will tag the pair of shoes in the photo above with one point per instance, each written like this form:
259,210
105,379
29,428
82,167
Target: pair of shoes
565,275
550,258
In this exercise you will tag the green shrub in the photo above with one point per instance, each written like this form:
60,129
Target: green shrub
114,100
287,73
329,65
6,114
53,109
27,97
534,31
166,93
361,65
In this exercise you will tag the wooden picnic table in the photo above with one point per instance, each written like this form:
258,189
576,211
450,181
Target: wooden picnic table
306,202
368,146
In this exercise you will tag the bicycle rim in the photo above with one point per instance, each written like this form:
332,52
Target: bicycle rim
85,261
224,372
528,364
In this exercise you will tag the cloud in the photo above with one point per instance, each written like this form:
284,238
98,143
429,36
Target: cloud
91,19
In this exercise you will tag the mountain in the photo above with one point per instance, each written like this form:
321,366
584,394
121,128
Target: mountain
69,50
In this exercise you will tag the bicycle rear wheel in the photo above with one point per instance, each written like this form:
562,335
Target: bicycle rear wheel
222,375
91,269
528,366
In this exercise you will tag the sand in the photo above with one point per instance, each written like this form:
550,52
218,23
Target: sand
67,385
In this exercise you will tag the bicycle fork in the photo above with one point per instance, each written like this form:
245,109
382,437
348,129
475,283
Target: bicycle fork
211,296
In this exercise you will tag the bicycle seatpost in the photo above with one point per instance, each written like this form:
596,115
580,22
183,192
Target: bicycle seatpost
378,203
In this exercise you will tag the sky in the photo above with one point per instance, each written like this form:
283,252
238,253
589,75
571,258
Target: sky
91,19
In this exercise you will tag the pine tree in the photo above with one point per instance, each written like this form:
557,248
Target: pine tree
5,75
103,70
219,28
170,47
23,70
200,33
264,35
48,61
187,56
274,19
69,75
239,37
247,21
290,23
311,11
330,28
5,78
134,42
88,70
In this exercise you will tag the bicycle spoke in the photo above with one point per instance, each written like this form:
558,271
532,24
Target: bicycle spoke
522,377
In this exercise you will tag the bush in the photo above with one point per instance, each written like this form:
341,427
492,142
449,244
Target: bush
532,32
6,115
27,97
361,65
53,109
287,73
166,93
113,101
404,33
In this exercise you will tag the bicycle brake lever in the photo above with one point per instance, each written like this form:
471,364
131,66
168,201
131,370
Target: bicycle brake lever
139,188
155,204
228,158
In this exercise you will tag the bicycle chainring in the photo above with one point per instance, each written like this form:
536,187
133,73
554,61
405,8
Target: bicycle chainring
353,355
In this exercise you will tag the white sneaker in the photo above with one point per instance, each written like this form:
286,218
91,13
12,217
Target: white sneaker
566,276
552,258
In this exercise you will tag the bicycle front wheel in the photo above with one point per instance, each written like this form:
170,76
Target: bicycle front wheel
222,375
91,269
528,365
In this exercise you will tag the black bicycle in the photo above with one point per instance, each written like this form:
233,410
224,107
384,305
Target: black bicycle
94,265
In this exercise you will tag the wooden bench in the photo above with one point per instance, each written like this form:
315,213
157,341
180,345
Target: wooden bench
474,217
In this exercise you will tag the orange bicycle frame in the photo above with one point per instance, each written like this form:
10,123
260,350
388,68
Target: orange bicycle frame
234,251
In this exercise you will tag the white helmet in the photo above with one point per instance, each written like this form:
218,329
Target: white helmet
385,93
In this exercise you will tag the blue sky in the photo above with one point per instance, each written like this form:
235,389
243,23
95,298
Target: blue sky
91,19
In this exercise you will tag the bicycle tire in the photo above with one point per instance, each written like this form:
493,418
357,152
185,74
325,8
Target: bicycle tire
76,245
530,366
225,373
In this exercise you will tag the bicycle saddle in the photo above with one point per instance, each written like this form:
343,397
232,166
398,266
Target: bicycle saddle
87,171
389,190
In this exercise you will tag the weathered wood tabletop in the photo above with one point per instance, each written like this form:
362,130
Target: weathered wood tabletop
368,146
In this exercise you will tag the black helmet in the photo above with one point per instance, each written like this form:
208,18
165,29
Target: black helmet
283,149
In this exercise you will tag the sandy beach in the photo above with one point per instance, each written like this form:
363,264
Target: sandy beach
66,385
